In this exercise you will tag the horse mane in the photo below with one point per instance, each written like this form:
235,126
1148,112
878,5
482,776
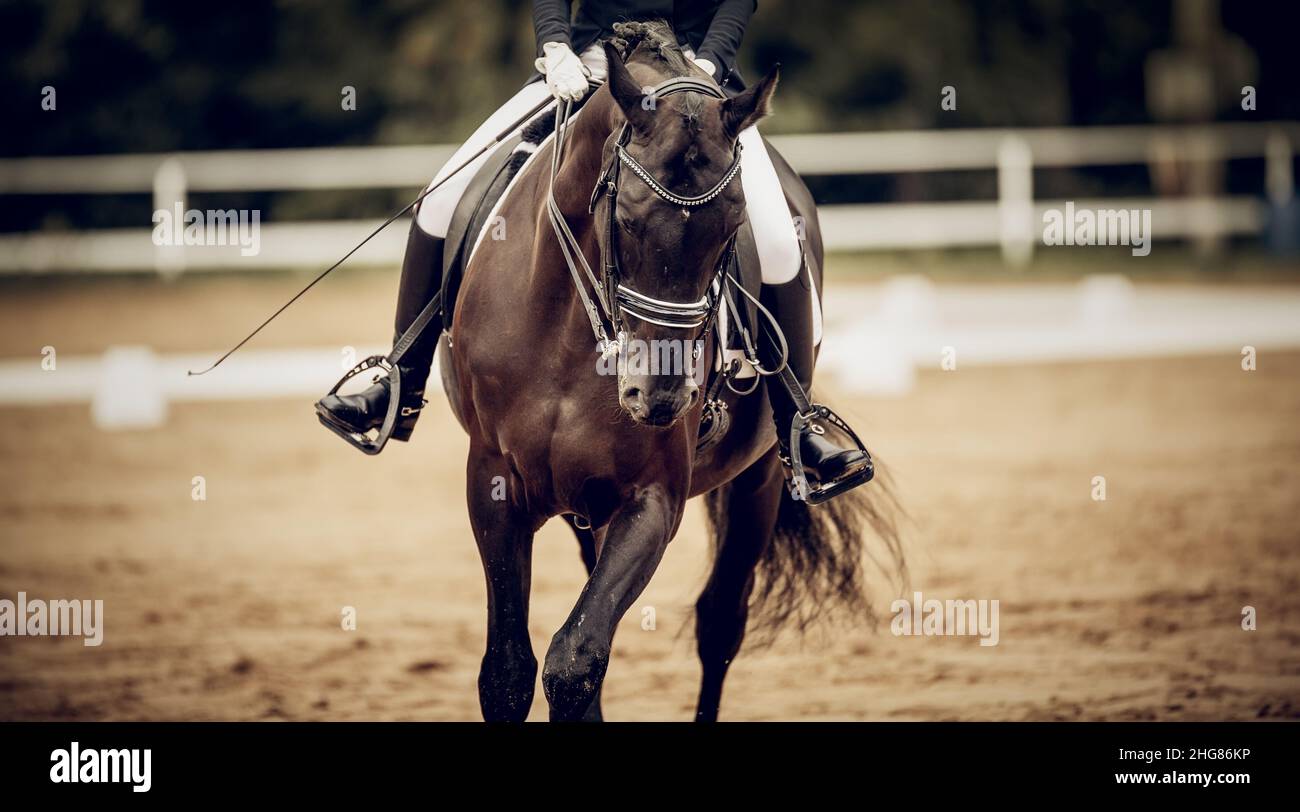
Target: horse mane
651,42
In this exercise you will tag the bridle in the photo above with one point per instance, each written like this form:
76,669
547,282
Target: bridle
613,299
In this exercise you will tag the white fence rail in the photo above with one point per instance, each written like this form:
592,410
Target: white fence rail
1012,221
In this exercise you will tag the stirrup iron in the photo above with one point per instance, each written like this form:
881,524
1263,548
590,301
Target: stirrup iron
364,442
390,364
799,486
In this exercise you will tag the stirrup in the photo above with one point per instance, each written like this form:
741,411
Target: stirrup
364,442
824,491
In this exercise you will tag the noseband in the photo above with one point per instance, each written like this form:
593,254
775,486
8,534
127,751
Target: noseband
616,298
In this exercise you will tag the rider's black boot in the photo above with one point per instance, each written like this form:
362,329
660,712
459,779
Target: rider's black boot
824,462
421,278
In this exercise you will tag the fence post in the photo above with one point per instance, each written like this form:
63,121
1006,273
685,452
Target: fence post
1283,210
1016,201
169,192
1278,176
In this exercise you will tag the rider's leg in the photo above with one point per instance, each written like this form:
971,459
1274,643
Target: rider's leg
779,252
787,292
437,209
422,269
421,279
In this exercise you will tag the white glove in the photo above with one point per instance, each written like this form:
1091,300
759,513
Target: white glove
566,76
707,67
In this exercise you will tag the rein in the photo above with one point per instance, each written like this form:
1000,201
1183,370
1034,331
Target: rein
612,298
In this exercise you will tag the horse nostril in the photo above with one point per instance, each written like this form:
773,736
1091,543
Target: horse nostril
661,413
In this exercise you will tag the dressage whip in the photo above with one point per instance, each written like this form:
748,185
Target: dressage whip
503,135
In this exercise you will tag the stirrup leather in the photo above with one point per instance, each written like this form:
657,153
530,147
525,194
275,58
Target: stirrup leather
824,491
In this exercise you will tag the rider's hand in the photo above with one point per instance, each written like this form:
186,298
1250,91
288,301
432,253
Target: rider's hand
566,76
707,67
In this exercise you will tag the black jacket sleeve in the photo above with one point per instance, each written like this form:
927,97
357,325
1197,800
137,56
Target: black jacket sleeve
725,33
551,22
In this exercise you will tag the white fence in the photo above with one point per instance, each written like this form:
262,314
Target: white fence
1011,221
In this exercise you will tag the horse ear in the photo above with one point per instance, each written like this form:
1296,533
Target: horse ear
752,105
627,92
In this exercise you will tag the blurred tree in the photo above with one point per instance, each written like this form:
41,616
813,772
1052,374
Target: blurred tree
156,75
137,75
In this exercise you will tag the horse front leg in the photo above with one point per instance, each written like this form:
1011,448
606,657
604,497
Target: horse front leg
504,533
635,540
587,546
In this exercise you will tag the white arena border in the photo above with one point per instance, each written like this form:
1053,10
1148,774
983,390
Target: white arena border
877,337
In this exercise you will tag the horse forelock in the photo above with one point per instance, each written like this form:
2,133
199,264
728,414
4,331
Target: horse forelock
653,44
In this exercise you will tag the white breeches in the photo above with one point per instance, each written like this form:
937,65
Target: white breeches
774,230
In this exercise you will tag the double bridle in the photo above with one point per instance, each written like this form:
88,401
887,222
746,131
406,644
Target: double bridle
613,296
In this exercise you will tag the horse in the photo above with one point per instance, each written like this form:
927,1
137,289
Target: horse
618,457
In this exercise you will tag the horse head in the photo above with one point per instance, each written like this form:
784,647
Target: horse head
668,208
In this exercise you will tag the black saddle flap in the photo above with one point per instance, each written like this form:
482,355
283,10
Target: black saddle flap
482,193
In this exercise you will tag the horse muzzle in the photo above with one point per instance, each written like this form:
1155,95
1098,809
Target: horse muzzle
659,407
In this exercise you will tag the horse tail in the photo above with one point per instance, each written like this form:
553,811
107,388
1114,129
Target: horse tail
816,566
